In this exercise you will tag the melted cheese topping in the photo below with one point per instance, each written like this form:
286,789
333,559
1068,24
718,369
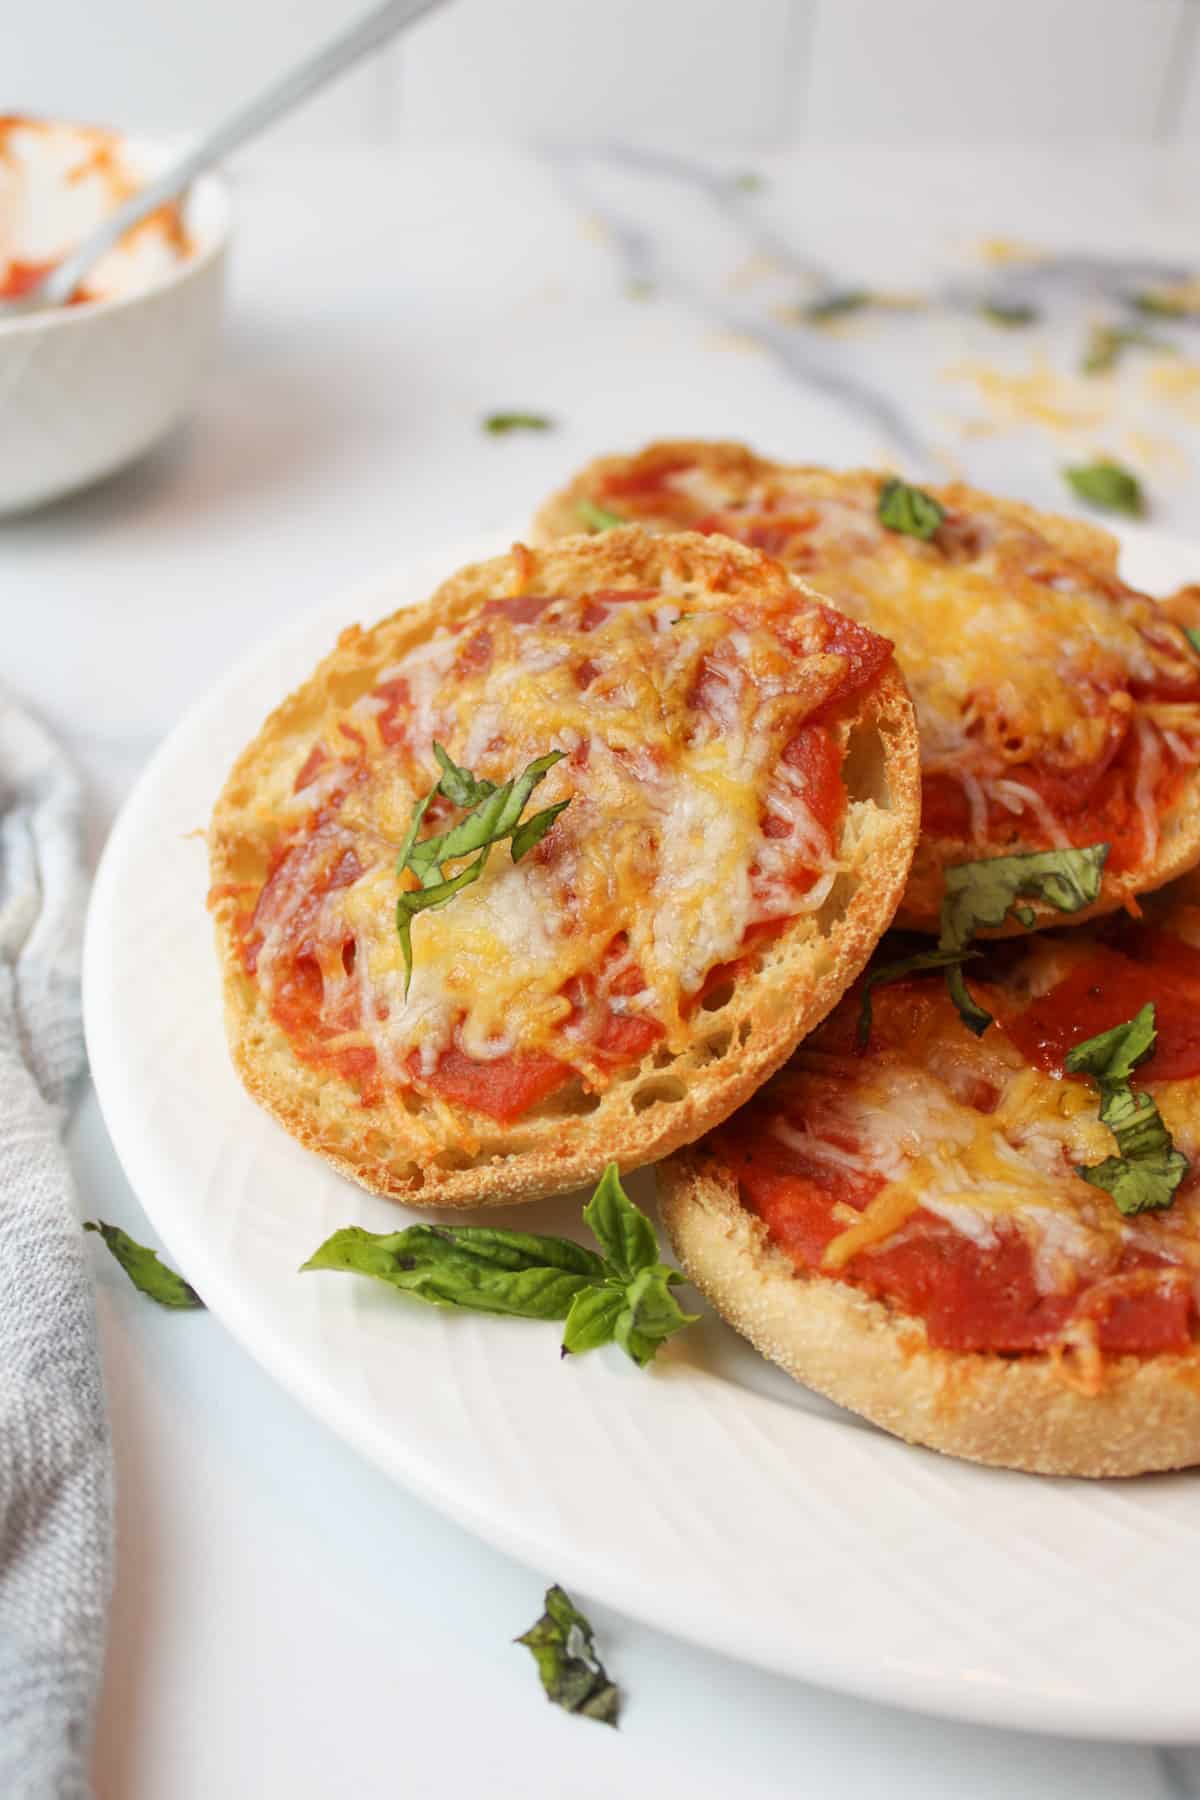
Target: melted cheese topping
1020,657
673,711
911,1114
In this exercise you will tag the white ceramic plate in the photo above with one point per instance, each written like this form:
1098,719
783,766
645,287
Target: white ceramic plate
710,1496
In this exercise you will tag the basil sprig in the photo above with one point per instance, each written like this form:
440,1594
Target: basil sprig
597,518
563,1646
1108,486
148,1275
1013,314
499,423
1161,305
837,305
979,897
909,510
494,815
1107,343
1147,1169
621,1296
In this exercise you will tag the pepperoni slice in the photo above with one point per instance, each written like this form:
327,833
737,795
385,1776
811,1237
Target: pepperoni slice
1110,988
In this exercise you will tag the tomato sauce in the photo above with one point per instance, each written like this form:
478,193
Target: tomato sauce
20,278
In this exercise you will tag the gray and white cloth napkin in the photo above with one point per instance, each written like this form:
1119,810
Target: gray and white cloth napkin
55,1461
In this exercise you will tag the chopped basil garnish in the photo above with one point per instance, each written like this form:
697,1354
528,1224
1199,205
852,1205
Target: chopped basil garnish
148,1275
495,814
563,1646
501,422
1192,634
1107,342
836,306
1161,305
978,897
896,971
623,1296
909,510
1108,486
597,518
1009,313
1147,1169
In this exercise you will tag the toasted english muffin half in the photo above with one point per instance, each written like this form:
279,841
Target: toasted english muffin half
1056,705
728,803
906,1230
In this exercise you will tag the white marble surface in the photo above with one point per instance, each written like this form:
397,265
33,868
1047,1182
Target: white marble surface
285,1621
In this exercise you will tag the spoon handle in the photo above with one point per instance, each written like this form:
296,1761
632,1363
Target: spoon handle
369,33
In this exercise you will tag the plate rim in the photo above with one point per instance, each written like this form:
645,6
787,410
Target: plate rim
1035,1710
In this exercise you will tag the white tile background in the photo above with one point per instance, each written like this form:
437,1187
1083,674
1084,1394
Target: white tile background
753,72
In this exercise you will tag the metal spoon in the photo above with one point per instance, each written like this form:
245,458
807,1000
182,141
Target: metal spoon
370,33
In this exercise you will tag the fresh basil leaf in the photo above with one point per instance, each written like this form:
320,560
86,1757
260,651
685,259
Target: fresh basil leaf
597,518
1133,1118
1108,486
1107,343
909,510
436,893
475,1268
534,829
148,1275
1161,305
651,1314
1147,1169
1143,1186
563,1646
896,971
1114,1055
489,822
974,1016
621,1229
420,808
979,896
592,1320
1192,635
479,1268
1010,313
836,306
460,787
436,890
495,815
500,422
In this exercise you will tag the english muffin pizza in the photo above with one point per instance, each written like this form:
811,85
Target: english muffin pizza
1056,705
989,1244
555,869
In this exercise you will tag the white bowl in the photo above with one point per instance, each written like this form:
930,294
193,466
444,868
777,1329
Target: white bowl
87,388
